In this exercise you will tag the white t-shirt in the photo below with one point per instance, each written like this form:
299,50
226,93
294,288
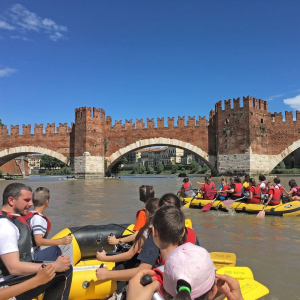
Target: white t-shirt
9,236
38,225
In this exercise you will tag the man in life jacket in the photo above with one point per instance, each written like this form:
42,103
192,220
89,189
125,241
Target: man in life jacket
208,189
224,187
15,246
274,196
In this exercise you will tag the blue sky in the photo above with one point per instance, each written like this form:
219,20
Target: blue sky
142,58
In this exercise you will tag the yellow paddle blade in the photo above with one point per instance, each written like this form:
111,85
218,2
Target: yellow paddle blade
237,272
223,259
252,290
188,223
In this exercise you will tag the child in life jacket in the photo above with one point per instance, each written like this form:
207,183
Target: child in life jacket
150,253
294,190
186,188
263,188
208,189
236,189
274,195
246,183
128,260
223,190
40,225
188,274
146,192
254,192
277,185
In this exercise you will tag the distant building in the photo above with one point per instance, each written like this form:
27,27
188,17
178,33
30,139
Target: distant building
34,161
165,155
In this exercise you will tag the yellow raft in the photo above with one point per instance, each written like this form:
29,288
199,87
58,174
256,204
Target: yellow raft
282,210
87,240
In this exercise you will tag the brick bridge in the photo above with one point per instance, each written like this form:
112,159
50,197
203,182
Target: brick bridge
246,139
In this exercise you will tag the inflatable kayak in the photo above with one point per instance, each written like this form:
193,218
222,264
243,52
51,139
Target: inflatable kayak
87,240
283,209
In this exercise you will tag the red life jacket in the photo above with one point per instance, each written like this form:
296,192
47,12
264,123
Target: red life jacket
224,188
186,186
255,194
137,213
209,191
28,218
276,196
265,189
24,242
190,235
238,189
298,191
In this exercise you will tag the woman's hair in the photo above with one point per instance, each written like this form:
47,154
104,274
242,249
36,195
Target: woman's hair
292,183
169,222
224,179
169,199
262,177
151,206
252,181
186,179
208,179
276,180
185,295
146,192
247,178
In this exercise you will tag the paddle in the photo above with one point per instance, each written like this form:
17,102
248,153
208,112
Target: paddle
237,272
252,290
223,259
230,202
262,213
187,204
209,205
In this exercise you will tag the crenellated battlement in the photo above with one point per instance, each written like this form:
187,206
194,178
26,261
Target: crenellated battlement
248,103
62,129
140,123
87,112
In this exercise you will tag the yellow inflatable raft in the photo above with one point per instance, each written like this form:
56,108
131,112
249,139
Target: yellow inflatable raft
283,209
87,240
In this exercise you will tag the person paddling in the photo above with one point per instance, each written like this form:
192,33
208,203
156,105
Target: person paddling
254,192
236,189
208,189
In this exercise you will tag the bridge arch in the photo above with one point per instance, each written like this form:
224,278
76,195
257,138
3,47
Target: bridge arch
13,152
276,159
140,144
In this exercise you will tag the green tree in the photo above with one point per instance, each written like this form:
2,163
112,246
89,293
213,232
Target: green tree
1,124
195,167
135,169
49,162
150,170
159,168
174,169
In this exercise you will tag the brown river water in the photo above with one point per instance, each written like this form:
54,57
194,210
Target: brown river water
270,247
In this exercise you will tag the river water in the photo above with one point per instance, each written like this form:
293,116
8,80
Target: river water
269,247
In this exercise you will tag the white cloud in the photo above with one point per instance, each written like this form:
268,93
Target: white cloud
293,102
19,18
275,96
7,72
5,25
56,36
17,37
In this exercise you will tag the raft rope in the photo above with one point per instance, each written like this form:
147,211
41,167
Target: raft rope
125,228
